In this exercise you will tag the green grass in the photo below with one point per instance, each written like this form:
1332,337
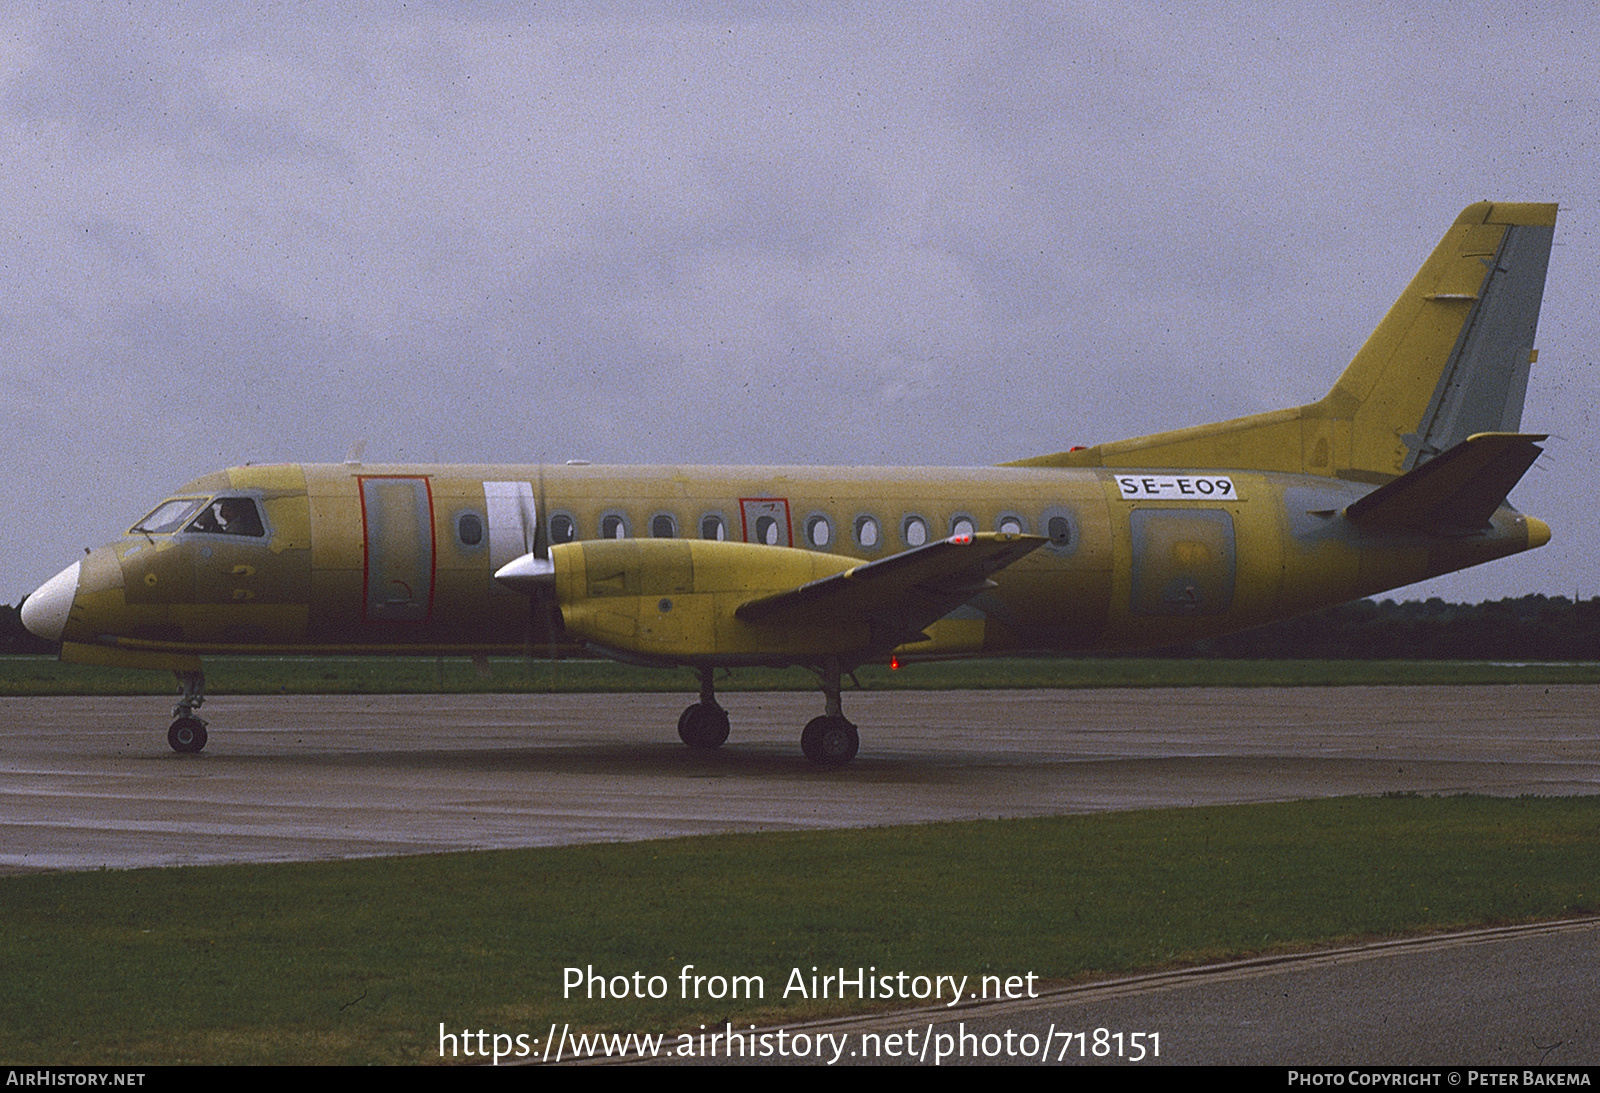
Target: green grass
20,676
360,962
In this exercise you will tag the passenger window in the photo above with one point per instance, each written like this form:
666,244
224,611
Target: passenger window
613,526
867,532
1009,524
914,531
663,526
229,516
767,530
712,528
818,531
469,529
1061,525
963,527
563,529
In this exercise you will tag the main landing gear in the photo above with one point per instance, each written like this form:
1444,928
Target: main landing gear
829,741
705,724
188,732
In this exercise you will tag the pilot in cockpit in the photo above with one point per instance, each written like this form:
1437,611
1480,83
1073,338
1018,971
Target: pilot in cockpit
229,516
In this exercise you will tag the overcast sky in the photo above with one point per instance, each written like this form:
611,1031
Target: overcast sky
763,232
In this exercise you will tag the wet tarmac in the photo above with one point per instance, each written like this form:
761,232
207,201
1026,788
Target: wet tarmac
89,782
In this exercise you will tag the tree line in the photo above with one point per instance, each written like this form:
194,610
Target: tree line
1541,628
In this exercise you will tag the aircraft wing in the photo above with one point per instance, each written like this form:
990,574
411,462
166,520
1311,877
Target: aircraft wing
899,595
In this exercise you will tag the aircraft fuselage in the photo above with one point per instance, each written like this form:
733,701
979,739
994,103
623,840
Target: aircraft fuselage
401,558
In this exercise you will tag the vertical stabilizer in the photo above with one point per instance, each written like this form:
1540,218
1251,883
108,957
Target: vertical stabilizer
1449,360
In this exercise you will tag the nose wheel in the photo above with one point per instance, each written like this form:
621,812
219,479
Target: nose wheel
187,734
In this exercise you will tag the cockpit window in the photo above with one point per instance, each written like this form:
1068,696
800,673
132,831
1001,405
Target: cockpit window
169,516
229,516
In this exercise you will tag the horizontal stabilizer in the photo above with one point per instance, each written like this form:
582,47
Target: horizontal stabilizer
899,595
1456,492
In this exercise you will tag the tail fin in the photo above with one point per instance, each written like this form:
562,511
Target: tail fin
1448,361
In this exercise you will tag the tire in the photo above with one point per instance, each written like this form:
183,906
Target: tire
703,726
830,741
187,735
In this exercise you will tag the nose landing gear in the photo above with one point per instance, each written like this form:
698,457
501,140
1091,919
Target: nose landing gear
187,734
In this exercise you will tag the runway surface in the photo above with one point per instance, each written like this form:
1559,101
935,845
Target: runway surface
89,782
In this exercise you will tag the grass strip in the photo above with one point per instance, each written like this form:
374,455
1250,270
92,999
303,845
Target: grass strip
362,961
24,676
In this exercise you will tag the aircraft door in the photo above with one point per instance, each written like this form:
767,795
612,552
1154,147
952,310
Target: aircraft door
397,521
766,520
1183,561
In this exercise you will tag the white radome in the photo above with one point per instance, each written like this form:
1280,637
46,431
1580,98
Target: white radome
45,612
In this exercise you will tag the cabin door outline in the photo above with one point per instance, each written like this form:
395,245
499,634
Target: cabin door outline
399,548
1184,561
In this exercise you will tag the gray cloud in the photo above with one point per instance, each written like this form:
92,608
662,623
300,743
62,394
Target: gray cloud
744,233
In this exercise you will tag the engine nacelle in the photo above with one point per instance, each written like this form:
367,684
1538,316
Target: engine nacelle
674,599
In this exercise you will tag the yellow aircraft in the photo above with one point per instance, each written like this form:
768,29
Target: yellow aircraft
1399,474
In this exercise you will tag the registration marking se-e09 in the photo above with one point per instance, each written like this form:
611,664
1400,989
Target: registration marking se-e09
1176,487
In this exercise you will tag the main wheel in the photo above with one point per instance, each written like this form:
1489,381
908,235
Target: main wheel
830,741
704,726
187,734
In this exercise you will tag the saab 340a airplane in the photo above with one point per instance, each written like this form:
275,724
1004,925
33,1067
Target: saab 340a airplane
1401,473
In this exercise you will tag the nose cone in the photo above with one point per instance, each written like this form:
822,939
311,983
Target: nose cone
45,612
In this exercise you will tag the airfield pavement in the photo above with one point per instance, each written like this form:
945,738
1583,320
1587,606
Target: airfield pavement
89,782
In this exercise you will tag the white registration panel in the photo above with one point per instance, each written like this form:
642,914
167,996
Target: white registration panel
1176,487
